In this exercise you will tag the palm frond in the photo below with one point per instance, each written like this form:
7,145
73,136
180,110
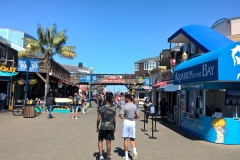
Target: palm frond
51,32
68,48
60,39
36,46
22,54
67,54
41,34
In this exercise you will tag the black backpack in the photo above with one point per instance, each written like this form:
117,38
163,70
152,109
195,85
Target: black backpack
75,101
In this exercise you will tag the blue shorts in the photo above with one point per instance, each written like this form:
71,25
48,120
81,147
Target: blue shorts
74,108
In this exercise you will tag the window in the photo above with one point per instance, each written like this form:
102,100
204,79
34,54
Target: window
192,48
136,67
152,65
145,66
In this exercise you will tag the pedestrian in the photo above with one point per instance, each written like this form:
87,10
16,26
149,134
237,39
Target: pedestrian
164,109
107,118
100,102
75,105
83,102
2,101
136,101
49,103
130,113
121,104
146,107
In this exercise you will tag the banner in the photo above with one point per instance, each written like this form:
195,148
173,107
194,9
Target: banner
23,63
88,78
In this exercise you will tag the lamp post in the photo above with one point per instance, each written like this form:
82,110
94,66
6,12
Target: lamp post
90,88
28,51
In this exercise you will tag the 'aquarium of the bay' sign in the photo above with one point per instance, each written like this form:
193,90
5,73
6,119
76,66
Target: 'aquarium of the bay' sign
203,72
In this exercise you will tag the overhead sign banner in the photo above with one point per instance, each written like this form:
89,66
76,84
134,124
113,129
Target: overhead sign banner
87,78
113,79
33,65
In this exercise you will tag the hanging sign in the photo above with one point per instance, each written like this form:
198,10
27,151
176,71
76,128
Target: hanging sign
23,63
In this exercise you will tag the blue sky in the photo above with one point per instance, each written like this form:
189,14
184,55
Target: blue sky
110,35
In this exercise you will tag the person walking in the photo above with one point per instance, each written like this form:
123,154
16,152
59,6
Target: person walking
146,107
164,109
83,102
129,112
75,105
49,103
100,101
106,116
2,101
136,101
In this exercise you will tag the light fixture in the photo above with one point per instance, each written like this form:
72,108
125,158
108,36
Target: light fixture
184,57
91,70
50,73
28,49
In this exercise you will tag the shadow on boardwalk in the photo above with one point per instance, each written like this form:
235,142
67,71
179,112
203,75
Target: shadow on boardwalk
174,127
118,150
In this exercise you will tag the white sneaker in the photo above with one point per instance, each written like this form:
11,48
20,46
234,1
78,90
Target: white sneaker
72,117
101,158
76,117
125,158
135,155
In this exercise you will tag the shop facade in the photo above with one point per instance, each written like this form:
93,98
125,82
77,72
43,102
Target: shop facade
209,96
8,71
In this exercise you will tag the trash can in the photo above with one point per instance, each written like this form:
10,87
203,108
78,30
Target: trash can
29,112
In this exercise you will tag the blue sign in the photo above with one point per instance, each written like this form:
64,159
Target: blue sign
88,78
33,65
203,72
148,81
152,110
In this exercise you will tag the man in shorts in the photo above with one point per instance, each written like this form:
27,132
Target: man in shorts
130,113
106,116
75,103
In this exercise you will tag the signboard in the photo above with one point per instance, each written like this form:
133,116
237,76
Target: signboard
87,78
152,110
140,80
203,72
113,79
8,71
33,65
148,81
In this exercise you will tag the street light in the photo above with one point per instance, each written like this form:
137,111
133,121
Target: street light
90,94
28,51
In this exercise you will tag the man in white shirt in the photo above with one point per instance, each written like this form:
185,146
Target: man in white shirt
2,101
129,112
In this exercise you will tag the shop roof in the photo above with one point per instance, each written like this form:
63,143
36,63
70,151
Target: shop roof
157,58
205,38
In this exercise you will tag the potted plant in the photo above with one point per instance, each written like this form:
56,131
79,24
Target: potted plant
32,81
21,82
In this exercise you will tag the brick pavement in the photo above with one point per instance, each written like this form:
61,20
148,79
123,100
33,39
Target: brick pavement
64,138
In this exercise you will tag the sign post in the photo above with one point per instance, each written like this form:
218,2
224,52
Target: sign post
152,112
144,121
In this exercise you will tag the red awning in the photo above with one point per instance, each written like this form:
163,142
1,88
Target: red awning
160,84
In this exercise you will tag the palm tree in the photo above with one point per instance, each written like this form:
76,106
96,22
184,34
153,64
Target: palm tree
50,43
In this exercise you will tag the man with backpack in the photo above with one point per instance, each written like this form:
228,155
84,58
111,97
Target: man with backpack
75,103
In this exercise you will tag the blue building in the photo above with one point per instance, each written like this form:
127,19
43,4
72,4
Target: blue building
15,38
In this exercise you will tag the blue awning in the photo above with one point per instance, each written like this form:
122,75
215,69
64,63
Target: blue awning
219,65
205,38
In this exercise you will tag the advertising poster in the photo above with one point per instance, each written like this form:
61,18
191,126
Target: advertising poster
183,100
